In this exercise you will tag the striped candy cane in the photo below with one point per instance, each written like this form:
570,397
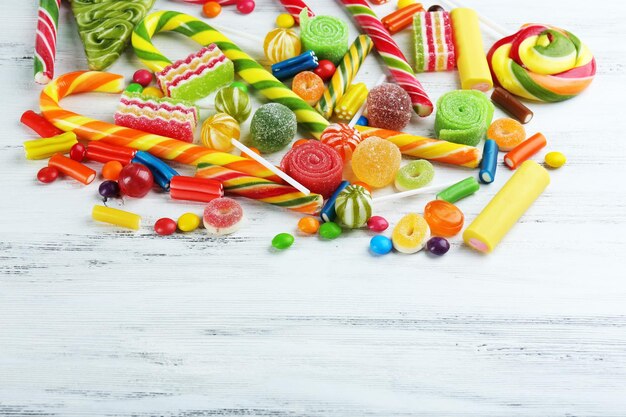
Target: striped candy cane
46,42
393,57
294,7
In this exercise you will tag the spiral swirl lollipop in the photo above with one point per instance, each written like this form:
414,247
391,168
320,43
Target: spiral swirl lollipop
327,36
542,63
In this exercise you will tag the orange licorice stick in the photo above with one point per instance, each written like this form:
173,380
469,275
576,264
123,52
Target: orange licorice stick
525,150
159,146
71,168
396,21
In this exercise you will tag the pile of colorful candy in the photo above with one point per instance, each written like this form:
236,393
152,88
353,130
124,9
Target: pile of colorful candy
354,129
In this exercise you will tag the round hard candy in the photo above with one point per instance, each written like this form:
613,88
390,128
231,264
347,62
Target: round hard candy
354,206
234,102
375,161
218,130
281,44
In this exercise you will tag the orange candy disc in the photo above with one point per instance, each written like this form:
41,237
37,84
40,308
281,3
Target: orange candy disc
445,219
508,133
309,86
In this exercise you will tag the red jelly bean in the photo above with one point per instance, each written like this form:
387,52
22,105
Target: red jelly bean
142,77
325,69
47,174
78,151
246,6
165,226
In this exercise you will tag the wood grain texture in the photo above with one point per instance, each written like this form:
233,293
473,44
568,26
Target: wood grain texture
95,321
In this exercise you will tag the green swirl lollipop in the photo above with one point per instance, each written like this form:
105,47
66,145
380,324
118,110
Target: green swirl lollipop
463,116
327,36
105,27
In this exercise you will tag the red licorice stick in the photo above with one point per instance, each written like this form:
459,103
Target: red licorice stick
102,152
195,189
41,126
401,18
72,168
524,150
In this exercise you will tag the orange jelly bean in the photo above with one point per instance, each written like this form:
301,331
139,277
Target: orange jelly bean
445,219
308,225
111,170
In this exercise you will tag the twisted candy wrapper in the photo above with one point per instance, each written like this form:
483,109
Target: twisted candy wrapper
250,70
160,146
542,63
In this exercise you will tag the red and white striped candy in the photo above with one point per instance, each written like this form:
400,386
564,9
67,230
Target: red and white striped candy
294,7
395,60
46,42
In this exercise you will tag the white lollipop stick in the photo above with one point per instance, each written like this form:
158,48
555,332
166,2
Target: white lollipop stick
495,28
410,193
362,109
295,184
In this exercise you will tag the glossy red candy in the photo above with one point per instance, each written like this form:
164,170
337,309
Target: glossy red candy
325,69
47,174
246,6
78,151
165,226
135,180
143,77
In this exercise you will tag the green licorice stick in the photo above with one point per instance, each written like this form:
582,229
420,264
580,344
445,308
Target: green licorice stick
463,116
460,190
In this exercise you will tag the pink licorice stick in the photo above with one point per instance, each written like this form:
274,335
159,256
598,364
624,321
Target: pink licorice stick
46,41
294,7
395,60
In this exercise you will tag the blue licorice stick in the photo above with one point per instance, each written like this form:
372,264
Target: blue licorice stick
489,163
328,211
161,172
290,67
362,121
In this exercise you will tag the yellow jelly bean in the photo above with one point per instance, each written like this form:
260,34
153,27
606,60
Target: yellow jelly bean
285,21
188,222
403,3
555,159
153,92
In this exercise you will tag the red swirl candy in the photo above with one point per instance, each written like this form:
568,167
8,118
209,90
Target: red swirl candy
315,165
342,138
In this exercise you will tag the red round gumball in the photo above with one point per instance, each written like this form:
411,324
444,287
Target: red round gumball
142,77
246,6
77,152
135,180
325,69
165,226
47,174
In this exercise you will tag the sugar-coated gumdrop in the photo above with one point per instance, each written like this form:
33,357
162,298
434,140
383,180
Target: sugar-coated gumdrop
342,138
218,130
315,165
273,126
222,216
410,234
309,86
381,245
234,102
388,107
375,161
282,241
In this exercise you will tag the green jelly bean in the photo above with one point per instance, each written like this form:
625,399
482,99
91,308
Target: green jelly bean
330,230
134,88
238,84
282,241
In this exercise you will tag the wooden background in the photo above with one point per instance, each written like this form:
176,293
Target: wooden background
98,321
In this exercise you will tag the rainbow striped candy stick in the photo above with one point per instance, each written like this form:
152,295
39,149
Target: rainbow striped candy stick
261,189
250,70
427,148
343,76
295,7
393,57
160,146
46,42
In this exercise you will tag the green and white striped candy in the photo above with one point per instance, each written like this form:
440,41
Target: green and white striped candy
354,206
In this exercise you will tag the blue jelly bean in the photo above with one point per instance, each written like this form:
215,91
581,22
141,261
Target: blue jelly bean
381,245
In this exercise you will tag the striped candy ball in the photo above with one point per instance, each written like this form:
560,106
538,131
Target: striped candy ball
342,138
218,130
234,102
354,206
281,44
